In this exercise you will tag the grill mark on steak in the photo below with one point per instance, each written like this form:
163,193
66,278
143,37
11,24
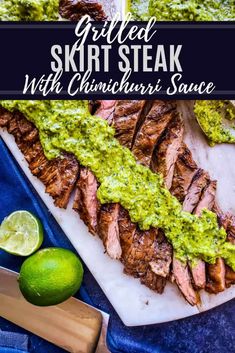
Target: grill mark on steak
58,175
85,201
167,151
127,116
192,198
151,130
108,229
184,172
207,199
74,10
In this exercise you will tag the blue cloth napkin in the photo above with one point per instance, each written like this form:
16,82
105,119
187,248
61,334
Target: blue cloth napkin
213,331
12,342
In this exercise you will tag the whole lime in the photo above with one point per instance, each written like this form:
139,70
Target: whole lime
50,276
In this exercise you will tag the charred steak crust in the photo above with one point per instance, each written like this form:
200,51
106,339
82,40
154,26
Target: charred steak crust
184,172
167,151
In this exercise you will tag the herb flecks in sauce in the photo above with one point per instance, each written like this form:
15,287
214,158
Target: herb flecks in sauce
210,115
69,126
184,10
29,10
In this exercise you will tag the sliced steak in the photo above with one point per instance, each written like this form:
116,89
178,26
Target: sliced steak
127,117
216,273
143,253
108,229
216,277
229,276
105,110
207,201
167,151
151,130
73,10
85,201
192,198
58,175
183,280
184,172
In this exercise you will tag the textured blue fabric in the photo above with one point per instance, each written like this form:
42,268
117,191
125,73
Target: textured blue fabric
13,340
213,331
11,350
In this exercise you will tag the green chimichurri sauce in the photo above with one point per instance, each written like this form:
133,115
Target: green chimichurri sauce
29,10
210,115
68,126
183,10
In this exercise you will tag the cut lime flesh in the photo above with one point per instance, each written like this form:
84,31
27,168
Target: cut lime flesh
21,233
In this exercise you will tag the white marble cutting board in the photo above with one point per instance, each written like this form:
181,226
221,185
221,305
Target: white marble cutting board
136,304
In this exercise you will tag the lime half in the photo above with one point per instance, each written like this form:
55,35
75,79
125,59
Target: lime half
21,233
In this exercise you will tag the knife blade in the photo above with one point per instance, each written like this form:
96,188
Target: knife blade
72,325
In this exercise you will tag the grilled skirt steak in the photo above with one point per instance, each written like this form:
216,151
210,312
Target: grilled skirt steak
154,132
58,175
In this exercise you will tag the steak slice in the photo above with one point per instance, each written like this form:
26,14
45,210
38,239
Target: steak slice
108,229
151,130
5,117
216,277
229,276
192,198
127,117
74,10
207,201
216,273
143,253
183,280
167,151
85,200
105,110
184,172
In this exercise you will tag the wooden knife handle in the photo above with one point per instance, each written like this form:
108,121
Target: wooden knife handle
72,325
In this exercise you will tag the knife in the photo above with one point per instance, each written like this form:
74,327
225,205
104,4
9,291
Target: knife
71,325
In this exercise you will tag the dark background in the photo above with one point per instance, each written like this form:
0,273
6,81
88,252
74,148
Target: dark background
208,54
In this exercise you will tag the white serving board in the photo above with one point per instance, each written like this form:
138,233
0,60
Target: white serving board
134,303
